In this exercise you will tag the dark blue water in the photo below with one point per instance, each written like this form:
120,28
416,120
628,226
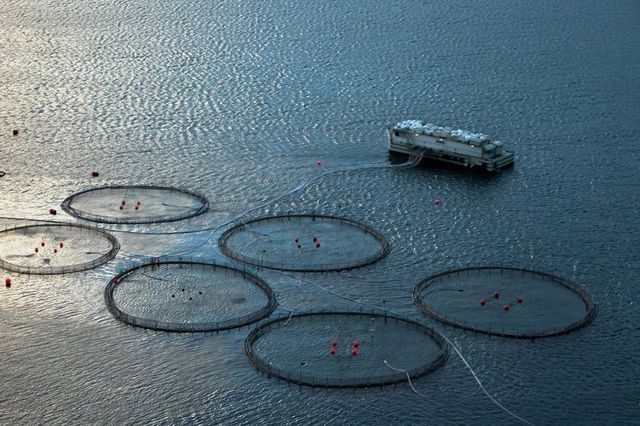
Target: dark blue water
237,100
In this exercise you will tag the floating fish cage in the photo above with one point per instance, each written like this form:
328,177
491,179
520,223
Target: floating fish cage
188,296
505,301
345,349
135,204
304,242
52,248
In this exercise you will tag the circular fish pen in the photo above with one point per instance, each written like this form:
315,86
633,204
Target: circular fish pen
304,243
507,302
135,204
55,248
188,296
345,349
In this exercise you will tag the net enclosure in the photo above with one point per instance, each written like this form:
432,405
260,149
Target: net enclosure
345,349
55,248
304,242
135,204
188,296
505,301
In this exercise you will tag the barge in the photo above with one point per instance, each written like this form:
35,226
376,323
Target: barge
448,145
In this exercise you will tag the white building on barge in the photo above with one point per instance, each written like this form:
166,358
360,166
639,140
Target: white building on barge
448,145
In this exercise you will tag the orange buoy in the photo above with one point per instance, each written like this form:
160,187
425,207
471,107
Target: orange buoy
334,342
496,294
332,351
520,299
53,211
483,302
356,343
505,307
354,351
95,174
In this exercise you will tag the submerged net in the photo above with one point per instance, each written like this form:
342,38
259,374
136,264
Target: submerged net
509,302
345,349
311,243
135,204
55,248
177,295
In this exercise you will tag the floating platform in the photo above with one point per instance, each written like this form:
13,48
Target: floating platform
448,145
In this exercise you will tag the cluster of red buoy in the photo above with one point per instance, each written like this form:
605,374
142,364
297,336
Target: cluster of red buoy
123,204
7,282
316,242
354,350
506,306
55,247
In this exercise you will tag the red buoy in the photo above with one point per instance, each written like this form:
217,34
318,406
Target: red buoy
318,245
55,250
334,343
354,351
136,207
496,294
299,246
121,207
483,302
53,211
332,351
95,174
520,299
36,249
61,244
315,239
15,132
42,244
157,261
436,201
7,282
124,203
356,343
296,239
319,163
505,307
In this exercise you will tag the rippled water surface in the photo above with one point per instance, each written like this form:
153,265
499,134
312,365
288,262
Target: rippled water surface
237,100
